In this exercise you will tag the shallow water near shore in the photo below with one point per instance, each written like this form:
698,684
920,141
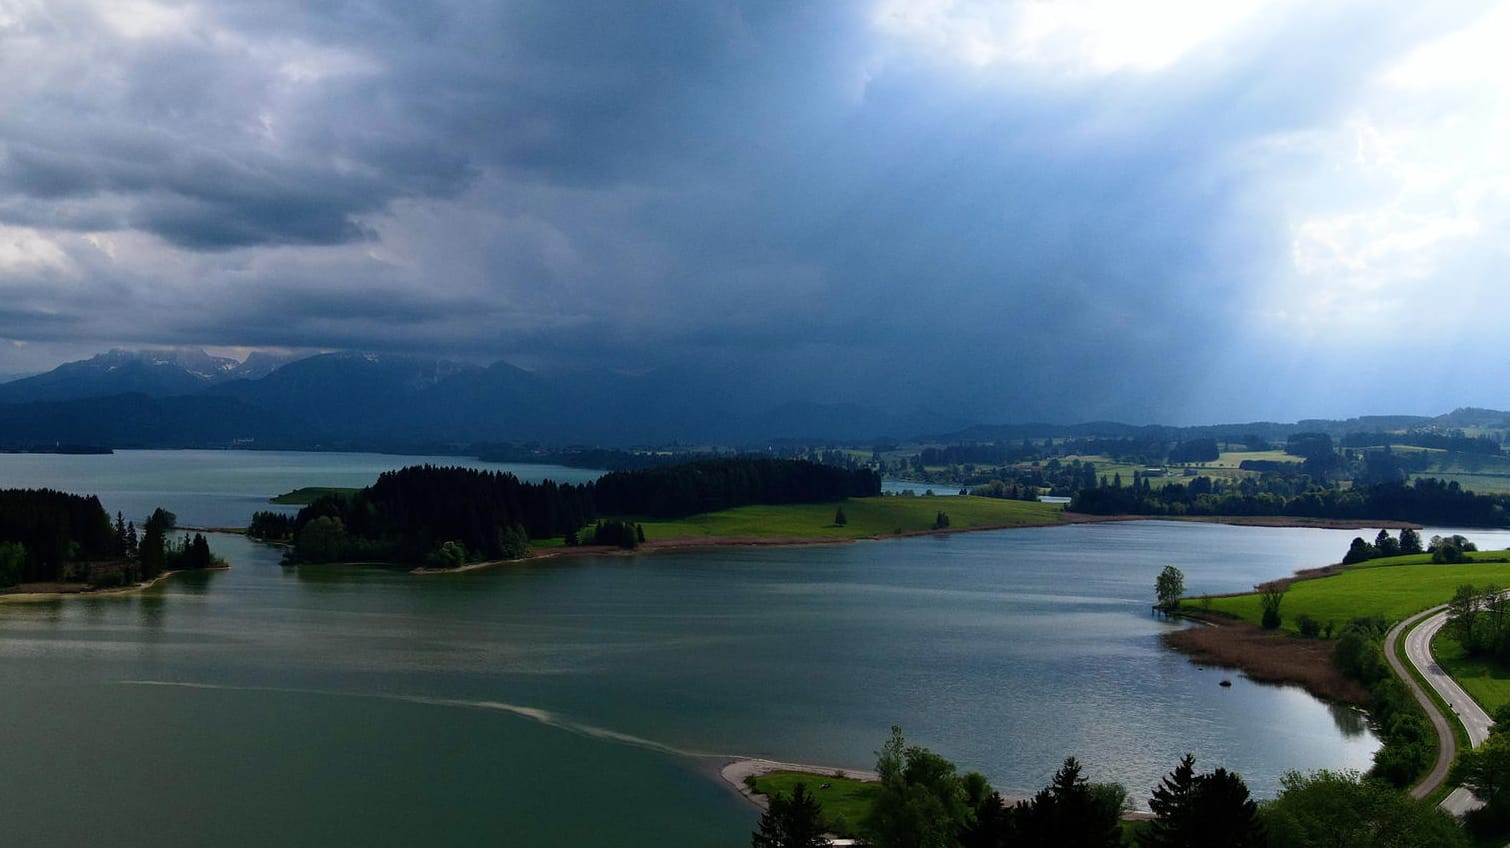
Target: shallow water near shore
564,702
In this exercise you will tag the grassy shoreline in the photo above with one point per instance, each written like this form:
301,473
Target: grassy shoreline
867,519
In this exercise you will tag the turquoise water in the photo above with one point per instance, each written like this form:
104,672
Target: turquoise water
568,702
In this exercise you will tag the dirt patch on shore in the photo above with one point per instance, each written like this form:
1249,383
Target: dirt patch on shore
1269,657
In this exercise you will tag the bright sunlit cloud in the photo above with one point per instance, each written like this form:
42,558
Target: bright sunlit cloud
1420,185
1071,36
1093,200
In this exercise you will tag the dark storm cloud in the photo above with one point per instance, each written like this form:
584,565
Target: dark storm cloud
773,188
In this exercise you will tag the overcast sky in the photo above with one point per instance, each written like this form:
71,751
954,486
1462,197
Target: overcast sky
1173,210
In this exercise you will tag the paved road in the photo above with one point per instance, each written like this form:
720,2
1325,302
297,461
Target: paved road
1467,711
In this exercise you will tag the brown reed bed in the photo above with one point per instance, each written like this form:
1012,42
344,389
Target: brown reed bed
1268,657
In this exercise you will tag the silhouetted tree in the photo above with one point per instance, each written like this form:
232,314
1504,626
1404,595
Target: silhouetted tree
795,822
1271,595
1410,541
1066,815
1169,586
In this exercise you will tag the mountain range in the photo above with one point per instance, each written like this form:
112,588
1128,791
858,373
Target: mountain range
367,401
187,398
156,373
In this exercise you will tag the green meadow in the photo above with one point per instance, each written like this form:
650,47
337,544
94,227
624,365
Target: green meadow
1392,588
1486,681
867,517
845,801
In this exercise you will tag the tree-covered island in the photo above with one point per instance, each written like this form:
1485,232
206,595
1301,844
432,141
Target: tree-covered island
446,517
67,541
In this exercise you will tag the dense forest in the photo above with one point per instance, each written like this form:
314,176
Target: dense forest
56,530
713,484
439,515
48,536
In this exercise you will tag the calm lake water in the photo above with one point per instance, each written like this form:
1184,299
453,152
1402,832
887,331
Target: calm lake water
566,703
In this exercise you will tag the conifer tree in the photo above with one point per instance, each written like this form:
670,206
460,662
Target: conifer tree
795,822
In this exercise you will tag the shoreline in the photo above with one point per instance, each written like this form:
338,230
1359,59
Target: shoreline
1265,656
22,596
734,772
1252,521
698,543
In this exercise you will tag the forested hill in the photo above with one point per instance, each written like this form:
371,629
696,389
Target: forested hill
447,516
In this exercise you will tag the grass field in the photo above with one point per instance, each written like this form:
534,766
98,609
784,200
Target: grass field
1232,459
867,517
846,802
1393,588
1488,683
1484,484
308,495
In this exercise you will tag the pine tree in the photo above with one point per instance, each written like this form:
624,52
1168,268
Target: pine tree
1066,815
1198,810
120,535
795,822
1225,814
1172,803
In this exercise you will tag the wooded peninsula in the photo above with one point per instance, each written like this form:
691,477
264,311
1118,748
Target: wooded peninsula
446,517
67,540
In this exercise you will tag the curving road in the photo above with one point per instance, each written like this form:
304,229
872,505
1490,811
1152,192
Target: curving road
1420,629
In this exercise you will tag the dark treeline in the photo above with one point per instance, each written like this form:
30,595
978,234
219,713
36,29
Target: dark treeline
1195,450
1454,441
1409,741
410,514
48,536
1062,479
923,800
56,529
606,459
977,454
713,484
1427,501
272,526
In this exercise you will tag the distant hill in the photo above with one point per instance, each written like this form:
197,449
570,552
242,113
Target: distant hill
357,401
136,420
155,373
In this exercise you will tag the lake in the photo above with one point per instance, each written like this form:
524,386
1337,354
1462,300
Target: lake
572,702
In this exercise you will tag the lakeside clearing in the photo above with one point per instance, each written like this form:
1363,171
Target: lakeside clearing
1268,657
794,525
866,518
1487,681
1392,588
